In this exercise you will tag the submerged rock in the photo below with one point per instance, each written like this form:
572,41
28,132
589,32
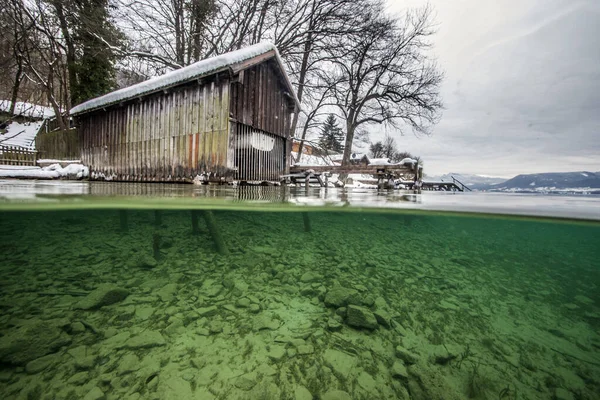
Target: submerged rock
399,370
309,276
144,261
167,292
341,363
242,303
336,395
265,322
334,325
383,318
32,341
361,317
341,296
305,349
104,295
276,352
40,364
246,382
207,311
95,394
302,393
405,355
144,340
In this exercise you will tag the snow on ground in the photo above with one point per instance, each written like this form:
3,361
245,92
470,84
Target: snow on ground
21,134
358,180
27,109
547,190
308,160
54,171
55,161
201,68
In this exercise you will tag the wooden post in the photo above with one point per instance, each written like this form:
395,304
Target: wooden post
123,221
307,179
195,228
157,218
307,227
156,246
213,229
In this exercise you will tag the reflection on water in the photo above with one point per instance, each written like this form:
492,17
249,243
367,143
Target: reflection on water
233,304
22,194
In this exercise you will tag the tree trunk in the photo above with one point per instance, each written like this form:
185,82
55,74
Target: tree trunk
350,128
15,89
64,27
301,79
347,148
179,39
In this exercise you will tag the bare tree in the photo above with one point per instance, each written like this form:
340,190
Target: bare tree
165,34
11,61
43,55
383,74
387,148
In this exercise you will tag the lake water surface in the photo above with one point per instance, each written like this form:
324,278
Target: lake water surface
127,291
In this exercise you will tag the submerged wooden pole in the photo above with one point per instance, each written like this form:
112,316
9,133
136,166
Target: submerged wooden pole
307,227
156,246
123,220
157,218
213,229
195,228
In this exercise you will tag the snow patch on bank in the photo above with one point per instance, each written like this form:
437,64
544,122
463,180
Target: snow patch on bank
54,171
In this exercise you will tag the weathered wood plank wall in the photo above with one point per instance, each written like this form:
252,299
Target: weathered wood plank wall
260,121
259,100
58,145
194,129
169,136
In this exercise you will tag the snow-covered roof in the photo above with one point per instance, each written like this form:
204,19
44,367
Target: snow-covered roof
408,161
27,109
201,68
379,161
21,134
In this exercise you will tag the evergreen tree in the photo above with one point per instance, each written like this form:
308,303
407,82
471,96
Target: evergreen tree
332,138
90,40
95,35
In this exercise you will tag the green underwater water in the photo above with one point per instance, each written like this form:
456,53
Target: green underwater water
317,304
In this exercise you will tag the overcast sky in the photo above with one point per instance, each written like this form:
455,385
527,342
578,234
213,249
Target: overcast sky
521,90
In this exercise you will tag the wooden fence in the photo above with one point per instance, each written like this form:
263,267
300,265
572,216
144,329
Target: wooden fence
58,145
16,155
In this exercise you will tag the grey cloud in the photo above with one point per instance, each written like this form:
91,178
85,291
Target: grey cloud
523,96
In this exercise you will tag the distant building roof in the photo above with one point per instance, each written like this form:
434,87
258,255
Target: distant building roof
197,70
29,110
379,161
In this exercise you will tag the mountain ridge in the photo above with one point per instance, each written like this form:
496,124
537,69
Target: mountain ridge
546,182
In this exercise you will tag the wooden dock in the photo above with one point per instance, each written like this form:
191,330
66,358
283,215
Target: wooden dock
320,173
453,186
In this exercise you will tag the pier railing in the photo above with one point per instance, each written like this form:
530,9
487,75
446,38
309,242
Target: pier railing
461,185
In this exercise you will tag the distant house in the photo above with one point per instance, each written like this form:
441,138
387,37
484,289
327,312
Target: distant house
224,118
19,129
306,148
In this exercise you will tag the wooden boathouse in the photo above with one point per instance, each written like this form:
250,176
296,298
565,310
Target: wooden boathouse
225,118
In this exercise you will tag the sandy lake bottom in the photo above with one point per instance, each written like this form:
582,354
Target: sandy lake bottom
143,304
